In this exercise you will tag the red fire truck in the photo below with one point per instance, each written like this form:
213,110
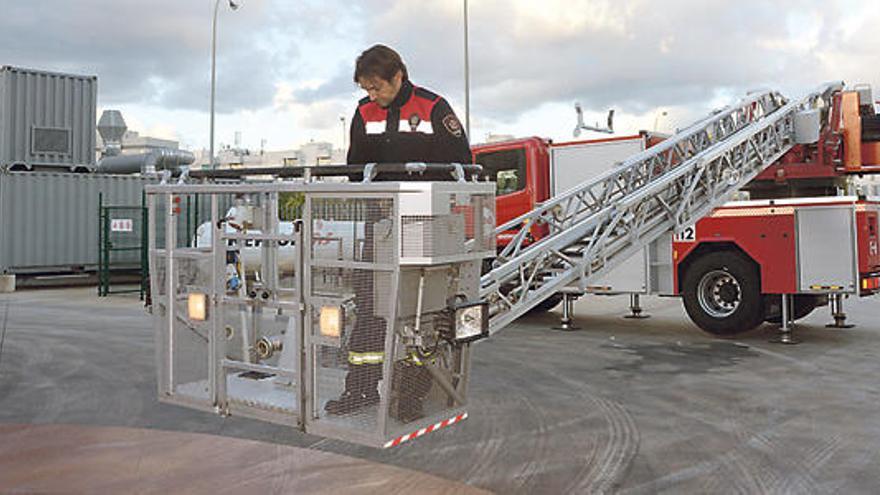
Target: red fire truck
797,235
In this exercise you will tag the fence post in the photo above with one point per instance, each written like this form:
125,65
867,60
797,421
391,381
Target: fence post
100,244
145,266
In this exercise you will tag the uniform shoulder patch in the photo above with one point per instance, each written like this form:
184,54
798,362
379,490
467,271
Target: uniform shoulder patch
453,125
425,93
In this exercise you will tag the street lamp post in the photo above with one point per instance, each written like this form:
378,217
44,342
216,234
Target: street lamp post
344,129
467,81
234,6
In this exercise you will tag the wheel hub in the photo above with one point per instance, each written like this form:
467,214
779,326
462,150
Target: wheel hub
719,293
728,293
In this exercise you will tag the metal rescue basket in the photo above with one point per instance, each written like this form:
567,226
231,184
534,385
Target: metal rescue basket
277,320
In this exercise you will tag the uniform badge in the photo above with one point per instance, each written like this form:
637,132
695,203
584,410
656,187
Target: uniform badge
414,121
451,123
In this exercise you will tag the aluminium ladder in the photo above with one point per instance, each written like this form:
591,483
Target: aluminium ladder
602,222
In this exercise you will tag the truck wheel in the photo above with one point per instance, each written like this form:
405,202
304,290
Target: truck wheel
803,305
722,293
547,304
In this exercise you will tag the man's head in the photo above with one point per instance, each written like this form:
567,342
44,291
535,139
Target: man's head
380,72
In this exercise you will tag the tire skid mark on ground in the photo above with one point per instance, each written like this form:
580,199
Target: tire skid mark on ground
734,469
602,464
818,456
761,451
535,463
794,468
500,437
617,455
738,471
781,475
805,465
784,469
751,466
605,466
488,446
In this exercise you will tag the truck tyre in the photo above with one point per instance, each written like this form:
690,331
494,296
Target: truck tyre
722,293
547,304
803,305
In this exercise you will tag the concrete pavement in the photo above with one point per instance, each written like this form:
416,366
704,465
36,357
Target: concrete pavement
630,406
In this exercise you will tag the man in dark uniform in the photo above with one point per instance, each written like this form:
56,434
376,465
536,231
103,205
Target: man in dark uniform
397,122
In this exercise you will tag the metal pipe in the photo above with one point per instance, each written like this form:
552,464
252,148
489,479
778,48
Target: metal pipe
418,323
216,375
785,313
785,331
146,163
381,171
444,384
244,312
170,278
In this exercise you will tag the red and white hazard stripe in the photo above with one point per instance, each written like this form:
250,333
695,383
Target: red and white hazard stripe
428,429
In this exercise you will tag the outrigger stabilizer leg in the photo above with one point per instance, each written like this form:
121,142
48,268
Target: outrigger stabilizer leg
636,310
785,329
837,313
566,323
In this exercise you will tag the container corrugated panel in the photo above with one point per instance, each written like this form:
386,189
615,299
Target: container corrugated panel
47,119
49,221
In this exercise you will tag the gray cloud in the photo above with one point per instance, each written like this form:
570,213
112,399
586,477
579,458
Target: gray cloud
339,85
646,54
634,56
155,52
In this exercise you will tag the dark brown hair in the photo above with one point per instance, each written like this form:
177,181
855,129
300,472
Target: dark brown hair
379,61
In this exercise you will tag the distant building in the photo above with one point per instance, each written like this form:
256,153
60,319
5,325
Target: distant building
312,153
496,138
133,142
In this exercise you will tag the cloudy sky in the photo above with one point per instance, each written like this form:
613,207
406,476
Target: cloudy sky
284,66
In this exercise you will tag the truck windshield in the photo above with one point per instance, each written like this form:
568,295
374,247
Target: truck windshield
507,168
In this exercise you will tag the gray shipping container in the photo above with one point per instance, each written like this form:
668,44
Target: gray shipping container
49,221
47,120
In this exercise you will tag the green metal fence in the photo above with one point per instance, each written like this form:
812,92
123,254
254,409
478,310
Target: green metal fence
122,245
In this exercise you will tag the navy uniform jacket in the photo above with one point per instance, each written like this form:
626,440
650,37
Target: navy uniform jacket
418,126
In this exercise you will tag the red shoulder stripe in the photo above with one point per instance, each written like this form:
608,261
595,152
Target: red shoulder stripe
372,112
420,104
